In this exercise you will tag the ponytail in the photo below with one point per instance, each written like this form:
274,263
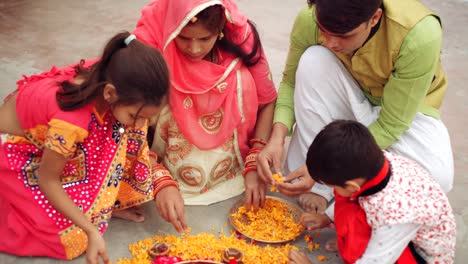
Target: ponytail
138,72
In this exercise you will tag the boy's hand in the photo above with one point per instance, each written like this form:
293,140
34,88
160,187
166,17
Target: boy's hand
315,220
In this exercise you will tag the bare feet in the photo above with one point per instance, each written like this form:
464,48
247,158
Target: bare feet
331,245
134,214
312,202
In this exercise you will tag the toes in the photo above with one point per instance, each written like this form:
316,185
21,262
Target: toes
331,245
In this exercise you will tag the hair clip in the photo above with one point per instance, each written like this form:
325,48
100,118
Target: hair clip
129,39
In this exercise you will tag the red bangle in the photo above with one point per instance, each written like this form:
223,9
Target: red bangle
153,155
260,141
163,184
249,169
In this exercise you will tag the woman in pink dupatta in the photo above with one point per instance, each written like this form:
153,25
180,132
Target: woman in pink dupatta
221,99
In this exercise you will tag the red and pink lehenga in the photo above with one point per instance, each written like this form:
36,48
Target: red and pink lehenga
107,170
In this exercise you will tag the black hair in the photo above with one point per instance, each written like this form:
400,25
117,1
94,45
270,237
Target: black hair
342,16
213,19
138,72
344,150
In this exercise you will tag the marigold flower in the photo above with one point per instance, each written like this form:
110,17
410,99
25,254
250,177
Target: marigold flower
208,246
274,222
276,178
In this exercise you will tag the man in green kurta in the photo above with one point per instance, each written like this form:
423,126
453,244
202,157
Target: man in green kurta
374,61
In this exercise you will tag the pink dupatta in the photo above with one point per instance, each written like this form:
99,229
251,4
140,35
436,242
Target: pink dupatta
204,96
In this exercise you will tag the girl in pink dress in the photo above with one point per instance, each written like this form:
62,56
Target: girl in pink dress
73,150
221,100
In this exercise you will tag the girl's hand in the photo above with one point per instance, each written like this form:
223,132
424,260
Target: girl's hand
255,191
170,206
96,248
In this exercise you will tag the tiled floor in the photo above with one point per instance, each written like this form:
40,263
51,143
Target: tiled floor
35,35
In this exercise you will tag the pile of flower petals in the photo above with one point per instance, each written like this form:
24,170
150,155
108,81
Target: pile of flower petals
208,246
273,222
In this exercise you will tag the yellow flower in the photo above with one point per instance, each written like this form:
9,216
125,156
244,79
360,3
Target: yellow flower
276,178
273,222
208,246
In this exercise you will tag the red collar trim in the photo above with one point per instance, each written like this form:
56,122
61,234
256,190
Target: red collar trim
374,182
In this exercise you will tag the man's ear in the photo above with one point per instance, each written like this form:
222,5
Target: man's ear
352,186
110,93
376,17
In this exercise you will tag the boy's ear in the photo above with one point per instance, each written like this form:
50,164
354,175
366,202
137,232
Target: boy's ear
352,186
110,93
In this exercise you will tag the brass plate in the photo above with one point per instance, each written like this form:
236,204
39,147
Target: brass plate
293,209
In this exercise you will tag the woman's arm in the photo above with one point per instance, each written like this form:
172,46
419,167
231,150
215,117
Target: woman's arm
49,173
255,188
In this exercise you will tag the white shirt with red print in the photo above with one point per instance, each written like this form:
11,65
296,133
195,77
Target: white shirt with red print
411,208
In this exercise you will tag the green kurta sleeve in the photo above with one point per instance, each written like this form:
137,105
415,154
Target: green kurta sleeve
409,83
303,35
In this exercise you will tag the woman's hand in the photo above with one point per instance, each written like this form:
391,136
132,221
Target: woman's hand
255,191
170,206
96,248
297,182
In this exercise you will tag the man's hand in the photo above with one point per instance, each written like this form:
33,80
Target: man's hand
272,153
170,206
270,156
297,182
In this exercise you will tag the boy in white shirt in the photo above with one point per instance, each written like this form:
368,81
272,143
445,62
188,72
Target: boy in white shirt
382,198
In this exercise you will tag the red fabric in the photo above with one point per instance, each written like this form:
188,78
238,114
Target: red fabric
352,230
352,236
29,224
406,257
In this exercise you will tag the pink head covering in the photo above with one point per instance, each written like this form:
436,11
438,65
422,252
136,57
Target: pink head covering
203,95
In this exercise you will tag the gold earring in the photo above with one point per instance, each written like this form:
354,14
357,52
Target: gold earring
221,35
